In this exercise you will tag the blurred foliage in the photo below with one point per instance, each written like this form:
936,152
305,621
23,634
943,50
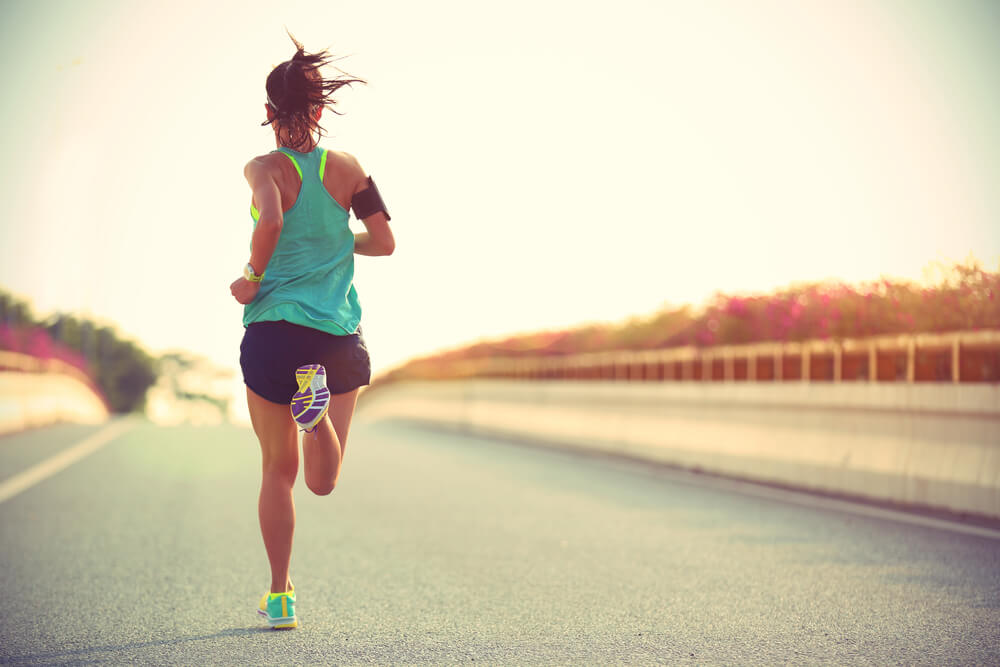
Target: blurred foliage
190,389
178,367
119,368
960,297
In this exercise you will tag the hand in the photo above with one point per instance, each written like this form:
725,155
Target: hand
244,290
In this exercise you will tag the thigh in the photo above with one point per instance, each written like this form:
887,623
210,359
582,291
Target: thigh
275,429
341,412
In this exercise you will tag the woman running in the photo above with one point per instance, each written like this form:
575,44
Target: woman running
302,355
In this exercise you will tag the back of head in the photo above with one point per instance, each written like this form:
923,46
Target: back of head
296,90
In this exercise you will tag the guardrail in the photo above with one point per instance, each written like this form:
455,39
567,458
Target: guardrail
928,444
962,356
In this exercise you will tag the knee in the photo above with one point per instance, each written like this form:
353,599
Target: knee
322,488
284,471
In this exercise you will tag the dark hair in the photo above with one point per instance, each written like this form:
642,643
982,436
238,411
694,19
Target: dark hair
295,88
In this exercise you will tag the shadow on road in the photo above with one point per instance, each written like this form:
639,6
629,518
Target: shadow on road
81,653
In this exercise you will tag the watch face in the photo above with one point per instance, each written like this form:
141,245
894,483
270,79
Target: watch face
249,274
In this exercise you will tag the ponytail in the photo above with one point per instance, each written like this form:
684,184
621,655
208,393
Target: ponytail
296,88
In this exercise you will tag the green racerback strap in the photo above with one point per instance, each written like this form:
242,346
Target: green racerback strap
294,162
255,214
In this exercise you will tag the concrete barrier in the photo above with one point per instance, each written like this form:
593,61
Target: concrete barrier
929,445
28,400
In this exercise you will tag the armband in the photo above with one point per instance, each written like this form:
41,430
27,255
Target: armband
368,202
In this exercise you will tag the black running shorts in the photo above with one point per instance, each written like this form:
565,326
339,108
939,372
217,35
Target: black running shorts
271,351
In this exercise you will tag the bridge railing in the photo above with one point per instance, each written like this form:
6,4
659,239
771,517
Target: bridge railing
962,356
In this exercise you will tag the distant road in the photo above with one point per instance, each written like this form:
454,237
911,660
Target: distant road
439,548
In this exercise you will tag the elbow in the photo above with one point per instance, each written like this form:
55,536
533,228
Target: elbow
270,224
270,221
382,244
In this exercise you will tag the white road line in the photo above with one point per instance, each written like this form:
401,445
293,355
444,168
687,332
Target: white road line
872,511
67,457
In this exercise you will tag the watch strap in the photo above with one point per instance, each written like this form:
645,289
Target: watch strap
250,275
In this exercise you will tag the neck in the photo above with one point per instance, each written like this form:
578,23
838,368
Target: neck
281,140
300,148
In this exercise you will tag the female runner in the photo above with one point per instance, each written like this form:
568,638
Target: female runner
302,355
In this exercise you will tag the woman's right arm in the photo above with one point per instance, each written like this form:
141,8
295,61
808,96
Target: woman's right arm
377,240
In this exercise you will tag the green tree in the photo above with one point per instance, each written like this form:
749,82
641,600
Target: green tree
121,369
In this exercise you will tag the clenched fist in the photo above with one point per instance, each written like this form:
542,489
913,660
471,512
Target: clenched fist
243,290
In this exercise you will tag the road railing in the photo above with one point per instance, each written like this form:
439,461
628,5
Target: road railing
956,357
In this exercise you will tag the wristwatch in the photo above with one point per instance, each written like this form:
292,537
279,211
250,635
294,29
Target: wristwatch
250,275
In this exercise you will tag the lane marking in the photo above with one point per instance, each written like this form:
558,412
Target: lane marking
25,480
804,498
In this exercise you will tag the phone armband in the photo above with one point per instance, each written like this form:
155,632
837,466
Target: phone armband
368,202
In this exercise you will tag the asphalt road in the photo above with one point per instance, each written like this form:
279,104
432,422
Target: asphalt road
439,548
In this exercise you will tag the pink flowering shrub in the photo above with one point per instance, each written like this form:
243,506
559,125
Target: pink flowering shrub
36,342
967,297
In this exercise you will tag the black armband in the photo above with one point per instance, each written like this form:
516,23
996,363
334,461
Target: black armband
368,202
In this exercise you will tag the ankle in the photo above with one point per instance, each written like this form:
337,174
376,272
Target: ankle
281,588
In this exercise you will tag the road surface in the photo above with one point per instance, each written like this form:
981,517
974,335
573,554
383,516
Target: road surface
440,548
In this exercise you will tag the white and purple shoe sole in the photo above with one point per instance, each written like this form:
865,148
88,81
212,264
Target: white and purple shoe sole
310,402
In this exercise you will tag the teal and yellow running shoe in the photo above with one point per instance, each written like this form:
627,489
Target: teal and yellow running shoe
312,400
279,609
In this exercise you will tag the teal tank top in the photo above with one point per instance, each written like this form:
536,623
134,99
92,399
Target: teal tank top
310,278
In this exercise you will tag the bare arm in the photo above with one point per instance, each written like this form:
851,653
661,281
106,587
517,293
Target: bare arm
378,239
267,198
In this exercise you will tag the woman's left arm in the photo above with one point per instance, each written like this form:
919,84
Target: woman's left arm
265,235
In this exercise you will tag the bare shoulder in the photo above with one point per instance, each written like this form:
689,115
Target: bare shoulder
343,158
347,167
262,165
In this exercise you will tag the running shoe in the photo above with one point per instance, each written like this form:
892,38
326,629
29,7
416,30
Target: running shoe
279,609
311,401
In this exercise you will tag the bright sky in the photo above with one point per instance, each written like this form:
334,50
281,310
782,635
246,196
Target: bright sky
546,163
